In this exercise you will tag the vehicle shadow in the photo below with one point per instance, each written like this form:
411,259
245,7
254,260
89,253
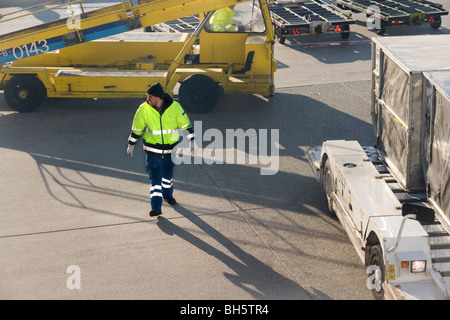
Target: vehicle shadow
90,137
330,49
72,172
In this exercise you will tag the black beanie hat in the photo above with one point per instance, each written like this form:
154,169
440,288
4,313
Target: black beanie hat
156,90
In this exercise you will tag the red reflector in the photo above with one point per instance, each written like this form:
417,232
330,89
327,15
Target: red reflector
296,31
396,22
337,29
431,19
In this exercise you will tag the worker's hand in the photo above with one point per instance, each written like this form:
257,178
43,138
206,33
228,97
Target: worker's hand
130,150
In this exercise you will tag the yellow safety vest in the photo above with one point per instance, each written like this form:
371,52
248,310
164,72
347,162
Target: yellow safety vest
160,131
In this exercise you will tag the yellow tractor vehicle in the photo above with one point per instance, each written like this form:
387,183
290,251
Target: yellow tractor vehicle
123,64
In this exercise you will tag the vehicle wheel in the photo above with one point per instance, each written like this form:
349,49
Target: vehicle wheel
376,259
345,33
328,185
380,31
198,94
24,93
436,25
280,36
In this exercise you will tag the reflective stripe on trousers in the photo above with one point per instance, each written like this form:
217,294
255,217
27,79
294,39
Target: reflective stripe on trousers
160,172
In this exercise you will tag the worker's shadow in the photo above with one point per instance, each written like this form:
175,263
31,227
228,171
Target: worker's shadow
251,275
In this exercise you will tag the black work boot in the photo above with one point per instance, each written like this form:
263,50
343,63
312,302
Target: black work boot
171,201
155,213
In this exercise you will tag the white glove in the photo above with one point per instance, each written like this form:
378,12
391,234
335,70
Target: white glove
130,149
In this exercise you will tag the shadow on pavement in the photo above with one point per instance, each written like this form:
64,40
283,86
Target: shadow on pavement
248,269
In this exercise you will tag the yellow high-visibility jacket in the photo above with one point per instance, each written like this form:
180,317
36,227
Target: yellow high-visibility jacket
160,130
222,20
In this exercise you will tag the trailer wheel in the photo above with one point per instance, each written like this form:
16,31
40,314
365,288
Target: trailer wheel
198,94
24,93
380,31
437,24
376,260
328,185
280,35
345,33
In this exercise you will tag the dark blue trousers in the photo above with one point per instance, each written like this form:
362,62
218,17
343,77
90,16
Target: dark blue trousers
160,172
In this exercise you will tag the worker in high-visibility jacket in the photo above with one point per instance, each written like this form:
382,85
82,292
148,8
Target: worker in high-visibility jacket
222,21
158,121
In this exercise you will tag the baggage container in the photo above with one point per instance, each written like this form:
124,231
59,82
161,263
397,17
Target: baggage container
397,107
436,156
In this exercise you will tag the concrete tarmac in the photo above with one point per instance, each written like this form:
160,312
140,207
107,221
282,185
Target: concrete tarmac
74,207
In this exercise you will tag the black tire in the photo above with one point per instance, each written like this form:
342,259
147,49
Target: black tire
280,35
345,33
380,32
24,93
436,25
198,94
328,185
376,259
